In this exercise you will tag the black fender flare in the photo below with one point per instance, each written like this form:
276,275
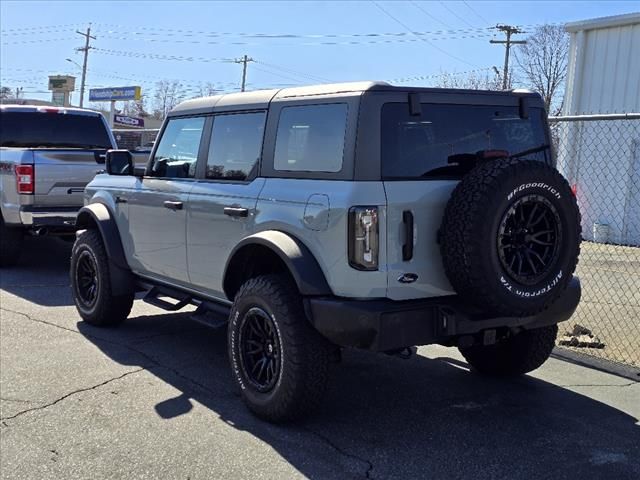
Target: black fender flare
98,214
298,259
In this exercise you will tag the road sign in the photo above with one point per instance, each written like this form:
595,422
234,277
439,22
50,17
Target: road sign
113,94
126,121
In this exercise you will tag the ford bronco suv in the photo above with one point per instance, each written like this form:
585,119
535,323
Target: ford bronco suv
358,215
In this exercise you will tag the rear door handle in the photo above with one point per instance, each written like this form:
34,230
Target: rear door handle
407,248
236,211
120,199
173,205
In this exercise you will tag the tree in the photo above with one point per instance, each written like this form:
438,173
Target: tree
6,93
167,95
543,62
471,80
136,108
206,90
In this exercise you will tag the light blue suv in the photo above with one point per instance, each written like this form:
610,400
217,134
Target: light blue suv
348,215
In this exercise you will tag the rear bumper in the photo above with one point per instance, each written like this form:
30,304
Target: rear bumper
59,219
382,325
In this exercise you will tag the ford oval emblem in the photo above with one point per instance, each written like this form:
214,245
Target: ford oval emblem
408,278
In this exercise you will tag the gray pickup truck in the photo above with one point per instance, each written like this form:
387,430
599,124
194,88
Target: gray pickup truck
47,156
360,215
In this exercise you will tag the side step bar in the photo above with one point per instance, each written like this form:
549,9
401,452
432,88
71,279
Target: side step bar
212,314
152,297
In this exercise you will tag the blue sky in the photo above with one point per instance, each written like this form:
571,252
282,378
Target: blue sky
139,43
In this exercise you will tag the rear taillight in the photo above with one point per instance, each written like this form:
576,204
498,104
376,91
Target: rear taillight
25,179
363,238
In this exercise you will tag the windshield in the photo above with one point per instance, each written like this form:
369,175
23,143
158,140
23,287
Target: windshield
52,130
431,144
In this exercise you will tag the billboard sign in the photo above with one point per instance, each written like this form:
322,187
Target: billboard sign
62,83
126,121
114,94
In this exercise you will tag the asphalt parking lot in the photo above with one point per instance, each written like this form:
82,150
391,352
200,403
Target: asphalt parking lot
155,399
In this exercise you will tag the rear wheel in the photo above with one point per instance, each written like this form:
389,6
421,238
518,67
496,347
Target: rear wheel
91,283
515,355
10,244
278,360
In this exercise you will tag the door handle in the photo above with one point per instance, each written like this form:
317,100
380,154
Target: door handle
173,205
236,211
407,248
121,199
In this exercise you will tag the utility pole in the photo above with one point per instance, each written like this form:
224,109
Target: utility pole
244,60
84,49
508,30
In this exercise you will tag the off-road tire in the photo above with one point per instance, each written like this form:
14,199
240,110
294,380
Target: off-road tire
305,354
107,310
471,230
516,355
10,244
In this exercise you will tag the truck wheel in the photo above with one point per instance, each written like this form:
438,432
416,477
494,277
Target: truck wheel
91,286
515,355
510,237
10,243
279,361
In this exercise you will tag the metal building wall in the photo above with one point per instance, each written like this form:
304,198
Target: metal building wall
604,78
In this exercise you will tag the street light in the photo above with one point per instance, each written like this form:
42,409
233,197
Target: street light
75,63
84,72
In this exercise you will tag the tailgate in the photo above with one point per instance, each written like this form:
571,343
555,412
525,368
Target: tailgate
61,175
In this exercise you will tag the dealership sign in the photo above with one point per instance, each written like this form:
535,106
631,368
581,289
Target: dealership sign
128,121
114,94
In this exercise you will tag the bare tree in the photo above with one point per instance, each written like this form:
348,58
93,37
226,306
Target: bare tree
543,63
136,108
471,80
206,90
167,95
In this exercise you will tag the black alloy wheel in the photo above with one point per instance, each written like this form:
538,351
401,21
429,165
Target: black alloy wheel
87,279
260,349
529,239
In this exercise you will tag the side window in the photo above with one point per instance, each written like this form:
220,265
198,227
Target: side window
177,151
311,138
236,143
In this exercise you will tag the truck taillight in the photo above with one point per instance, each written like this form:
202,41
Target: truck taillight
363,238
25,179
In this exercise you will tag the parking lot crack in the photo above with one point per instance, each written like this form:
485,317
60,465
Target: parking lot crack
344,453
70,394
153,361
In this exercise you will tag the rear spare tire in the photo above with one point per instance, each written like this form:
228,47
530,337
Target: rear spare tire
510,236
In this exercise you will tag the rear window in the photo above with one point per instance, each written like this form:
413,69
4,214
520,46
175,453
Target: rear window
52,130
432,144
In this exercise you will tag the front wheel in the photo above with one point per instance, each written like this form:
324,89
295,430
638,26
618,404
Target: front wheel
91,283
278,360
515,355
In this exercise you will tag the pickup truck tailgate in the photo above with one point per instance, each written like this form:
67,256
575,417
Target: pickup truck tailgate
61,175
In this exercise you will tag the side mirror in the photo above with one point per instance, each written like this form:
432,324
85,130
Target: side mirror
119,162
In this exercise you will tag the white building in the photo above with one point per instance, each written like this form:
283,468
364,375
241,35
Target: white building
602,158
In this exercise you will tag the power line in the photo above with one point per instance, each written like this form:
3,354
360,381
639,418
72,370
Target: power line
415,4
299,74
455,14
423,39
508,30
476,12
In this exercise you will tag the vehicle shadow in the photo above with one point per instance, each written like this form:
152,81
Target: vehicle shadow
41,275
384,417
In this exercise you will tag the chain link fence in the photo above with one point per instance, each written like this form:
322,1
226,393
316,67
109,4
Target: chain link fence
136,140
600,157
